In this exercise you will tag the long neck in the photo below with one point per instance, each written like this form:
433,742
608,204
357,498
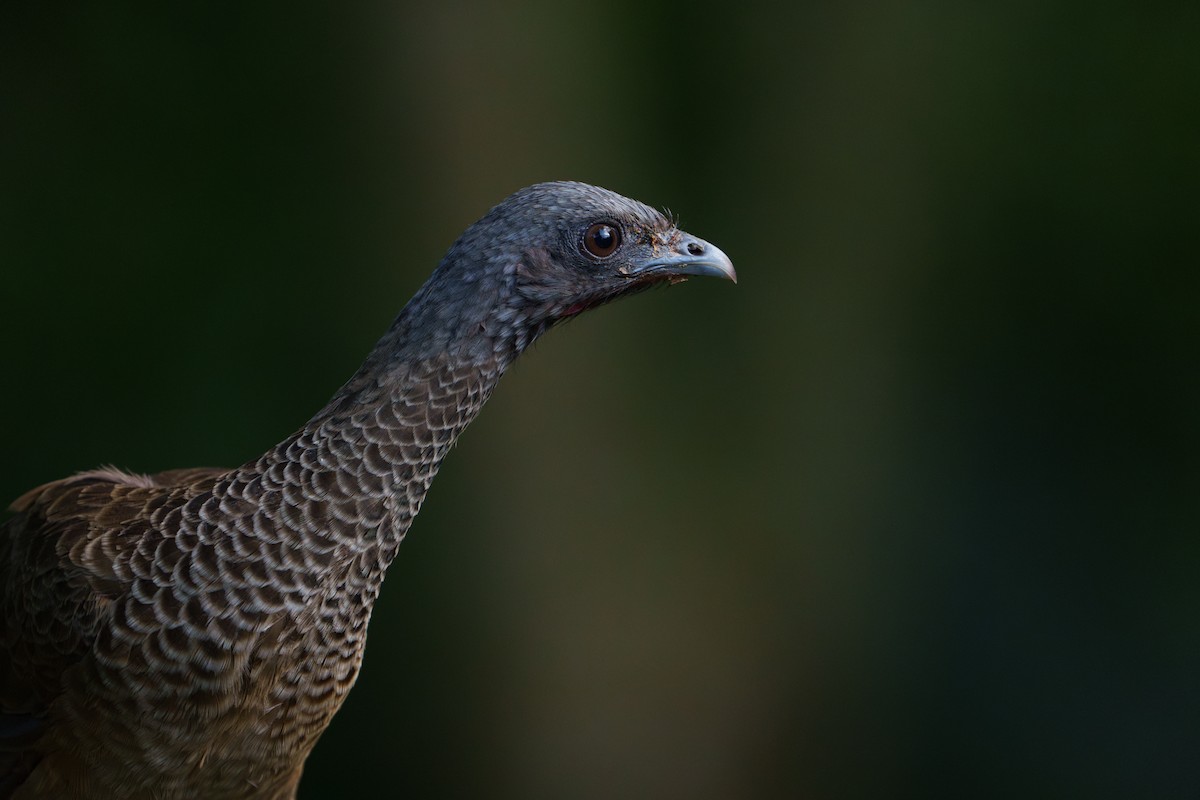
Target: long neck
352,479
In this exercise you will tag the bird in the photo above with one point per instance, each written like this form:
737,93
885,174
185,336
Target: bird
191,633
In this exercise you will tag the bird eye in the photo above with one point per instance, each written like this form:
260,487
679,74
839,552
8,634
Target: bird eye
601,240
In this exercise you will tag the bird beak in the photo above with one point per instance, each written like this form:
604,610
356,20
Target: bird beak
689,256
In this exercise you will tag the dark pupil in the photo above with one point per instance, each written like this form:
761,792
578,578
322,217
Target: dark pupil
603,238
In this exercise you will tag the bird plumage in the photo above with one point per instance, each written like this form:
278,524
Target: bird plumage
192,633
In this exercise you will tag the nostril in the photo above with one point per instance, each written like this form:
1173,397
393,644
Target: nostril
695,249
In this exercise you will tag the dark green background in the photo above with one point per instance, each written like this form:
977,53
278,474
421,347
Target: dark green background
913,510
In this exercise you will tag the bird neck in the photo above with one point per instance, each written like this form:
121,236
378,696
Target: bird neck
354,477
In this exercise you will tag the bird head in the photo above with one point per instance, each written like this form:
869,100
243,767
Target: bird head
550,251
586,245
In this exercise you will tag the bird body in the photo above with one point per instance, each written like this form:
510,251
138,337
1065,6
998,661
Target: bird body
192,633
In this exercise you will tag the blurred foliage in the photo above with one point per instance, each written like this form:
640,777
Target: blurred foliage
911,511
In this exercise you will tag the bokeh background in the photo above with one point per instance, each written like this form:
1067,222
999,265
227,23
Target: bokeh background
913,510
